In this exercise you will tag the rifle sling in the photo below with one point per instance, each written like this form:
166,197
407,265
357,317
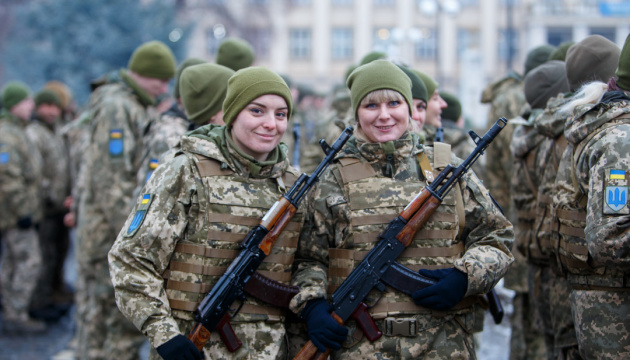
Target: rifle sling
270,291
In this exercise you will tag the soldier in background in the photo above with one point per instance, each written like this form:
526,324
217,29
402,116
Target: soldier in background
591,204
203,89
434,108
120,114
53,234
235,53
453,126
68,106
594,58
20,211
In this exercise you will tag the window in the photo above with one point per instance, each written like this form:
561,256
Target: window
467,39
259,2
341,43
300,43
608,33
381,39
508,44
426,47
384,2
215,2
342,2
300,2
260,40
558,35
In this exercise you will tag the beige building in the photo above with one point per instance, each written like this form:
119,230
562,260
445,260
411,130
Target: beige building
464,44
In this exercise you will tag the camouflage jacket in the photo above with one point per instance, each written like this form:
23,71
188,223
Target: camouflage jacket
347,210
20,173
507,99
162,136
591,201
120,114
56,179
186,227
76,136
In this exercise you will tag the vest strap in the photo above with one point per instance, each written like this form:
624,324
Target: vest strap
572,231
385,219
571,215
573,248
369,237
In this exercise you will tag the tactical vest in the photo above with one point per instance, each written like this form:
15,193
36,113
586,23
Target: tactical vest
572,250
522,184
435,246
227,211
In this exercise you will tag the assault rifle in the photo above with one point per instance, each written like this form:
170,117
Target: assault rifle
347,300
213,313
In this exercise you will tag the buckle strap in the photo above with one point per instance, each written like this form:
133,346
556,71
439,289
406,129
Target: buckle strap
571,215
572,231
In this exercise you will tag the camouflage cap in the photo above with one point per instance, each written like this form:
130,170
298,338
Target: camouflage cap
454,109
377,75
544,82
13,93
594,58
185,64
47,97
623,70
250,83
235,53
153,59
203,90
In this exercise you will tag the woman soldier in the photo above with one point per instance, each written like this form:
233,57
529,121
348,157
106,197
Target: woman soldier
191,216
465,244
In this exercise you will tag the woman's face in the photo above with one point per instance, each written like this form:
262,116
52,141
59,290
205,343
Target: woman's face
383,121
259,127
434,110
419,113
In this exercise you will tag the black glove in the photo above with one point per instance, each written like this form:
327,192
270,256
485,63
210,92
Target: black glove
25,223
450,289
323,330
179,348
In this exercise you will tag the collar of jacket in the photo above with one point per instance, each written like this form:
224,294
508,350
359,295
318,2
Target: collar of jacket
143,97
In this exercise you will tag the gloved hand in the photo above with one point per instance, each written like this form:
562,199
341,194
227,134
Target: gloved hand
450,289
179,348
323,330
25,223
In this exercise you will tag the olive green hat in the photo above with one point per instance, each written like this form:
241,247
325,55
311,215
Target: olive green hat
377,75
544,82
47,97
153,59
178,74
561,51
623,71
372,56
418,89
453,109
235,53
13,93
250,83
203,88
594,58
428,81
538,56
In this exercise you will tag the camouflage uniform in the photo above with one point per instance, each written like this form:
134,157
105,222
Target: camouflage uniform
120,115
20,177
203,201
353,203
163,135
591,205
549,290
524,187
53,235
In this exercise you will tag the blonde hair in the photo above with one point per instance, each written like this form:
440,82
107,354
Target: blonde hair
379,96
590,93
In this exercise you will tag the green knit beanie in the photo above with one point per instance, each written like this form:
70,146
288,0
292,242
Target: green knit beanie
372,56
418,89
561,52
454,109
544,82
178,74
623,71
377,75
538,56
13,93
203,88
47,97
428,81
153,59
235,53
593,59
250,83
349,71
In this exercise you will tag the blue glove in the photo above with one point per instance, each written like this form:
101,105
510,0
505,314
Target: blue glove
323,330
450,289
179,348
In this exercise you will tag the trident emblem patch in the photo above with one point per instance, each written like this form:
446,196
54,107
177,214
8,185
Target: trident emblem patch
616,192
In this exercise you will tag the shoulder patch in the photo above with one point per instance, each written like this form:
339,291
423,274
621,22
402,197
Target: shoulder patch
116,142
141,212
153,164
616,192
4,157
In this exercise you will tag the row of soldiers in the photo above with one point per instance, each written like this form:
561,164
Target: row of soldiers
564,183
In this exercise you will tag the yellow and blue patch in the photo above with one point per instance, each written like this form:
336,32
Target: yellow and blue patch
616,192
153,164
5,157
116,142
141,212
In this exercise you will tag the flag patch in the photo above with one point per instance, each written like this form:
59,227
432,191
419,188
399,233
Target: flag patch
139,216
116,142
4,157
616,192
